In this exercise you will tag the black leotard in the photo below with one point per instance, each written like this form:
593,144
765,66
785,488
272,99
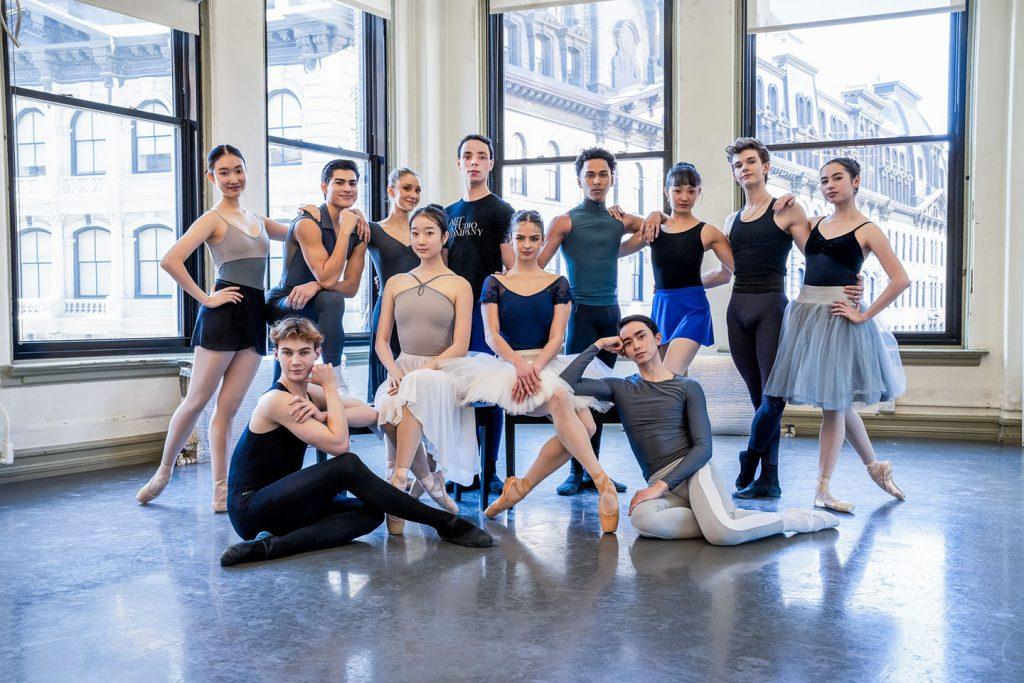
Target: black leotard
676,258
760,251
833,262
263,458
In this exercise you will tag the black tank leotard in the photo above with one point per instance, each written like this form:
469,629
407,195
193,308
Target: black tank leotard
760,251
676,258
833,262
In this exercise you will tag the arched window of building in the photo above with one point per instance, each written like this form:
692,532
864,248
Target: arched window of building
554,172
92,262
31,146
284,120
87,145
151,243
152,143
574,67
543,58
821,121
773,100
34,263
513,46
759,95
640,188
638,276
517,177
872,283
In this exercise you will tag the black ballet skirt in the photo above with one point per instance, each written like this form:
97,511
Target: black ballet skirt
233,327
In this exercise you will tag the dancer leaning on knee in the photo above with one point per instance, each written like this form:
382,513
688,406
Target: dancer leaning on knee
666,422
282,509
431,307
525,313
680,307
832,353
230,334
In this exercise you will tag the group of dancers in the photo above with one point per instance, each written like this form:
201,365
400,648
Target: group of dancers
467,316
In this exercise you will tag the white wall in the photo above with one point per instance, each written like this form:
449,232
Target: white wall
438,96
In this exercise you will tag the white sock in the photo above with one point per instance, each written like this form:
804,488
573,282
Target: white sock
807,521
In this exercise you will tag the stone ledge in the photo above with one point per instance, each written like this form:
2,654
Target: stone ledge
52,461
993,429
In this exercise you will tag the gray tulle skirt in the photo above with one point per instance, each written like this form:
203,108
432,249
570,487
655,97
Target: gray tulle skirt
829,362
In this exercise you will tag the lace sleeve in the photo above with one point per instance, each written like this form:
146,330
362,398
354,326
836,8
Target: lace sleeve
560,292
491,292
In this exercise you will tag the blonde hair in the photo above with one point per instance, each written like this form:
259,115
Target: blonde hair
301,328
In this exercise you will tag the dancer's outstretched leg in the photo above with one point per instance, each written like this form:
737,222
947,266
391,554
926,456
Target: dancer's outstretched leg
880,471
830,442
207,370
237,379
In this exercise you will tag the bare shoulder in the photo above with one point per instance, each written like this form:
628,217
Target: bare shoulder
561,224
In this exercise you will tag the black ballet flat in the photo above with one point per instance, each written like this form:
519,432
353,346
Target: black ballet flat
247,551
759,489
748,469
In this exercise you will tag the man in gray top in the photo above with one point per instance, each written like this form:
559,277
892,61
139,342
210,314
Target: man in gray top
666,421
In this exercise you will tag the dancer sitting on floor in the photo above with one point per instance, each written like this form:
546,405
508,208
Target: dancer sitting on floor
281,509
431,307
525,313
833,353
666,422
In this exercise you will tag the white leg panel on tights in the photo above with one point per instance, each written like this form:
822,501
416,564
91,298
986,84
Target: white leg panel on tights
666,517
718,519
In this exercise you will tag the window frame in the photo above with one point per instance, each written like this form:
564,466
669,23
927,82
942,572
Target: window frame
137,261
136,170
38,148
186,85
35,231
954,137
376,126
75,160
496,106
76,261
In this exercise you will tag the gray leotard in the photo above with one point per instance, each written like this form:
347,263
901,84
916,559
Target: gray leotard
425,319
239,258
664,421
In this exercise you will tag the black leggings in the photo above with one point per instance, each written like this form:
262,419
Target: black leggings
327,310
755,325
305,511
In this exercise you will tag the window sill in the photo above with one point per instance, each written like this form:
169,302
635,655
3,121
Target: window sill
69,371
934,356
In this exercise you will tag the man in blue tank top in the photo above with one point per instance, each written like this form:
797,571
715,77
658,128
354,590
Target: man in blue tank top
316,277
477,226
590,238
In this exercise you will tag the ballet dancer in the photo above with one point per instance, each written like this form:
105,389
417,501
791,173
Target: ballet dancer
525,314
680,305
317,275
430,306
832,353
280,508
761,236
230,333
666,422
590,238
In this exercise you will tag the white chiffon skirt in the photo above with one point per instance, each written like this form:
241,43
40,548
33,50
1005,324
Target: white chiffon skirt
449,429
483,378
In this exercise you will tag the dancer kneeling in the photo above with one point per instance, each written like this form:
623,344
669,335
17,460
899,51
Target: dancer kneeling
525,315
431,307
281,509
666,421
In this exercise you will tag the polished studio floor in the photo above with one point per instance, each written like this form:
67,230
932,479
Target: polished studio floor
95,587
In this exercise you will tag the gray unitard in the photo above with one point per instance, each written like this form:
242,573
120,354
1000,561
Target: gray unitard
669,432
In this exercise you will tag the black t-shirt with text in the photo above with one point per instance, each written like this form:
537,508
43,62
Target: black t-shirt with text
476,231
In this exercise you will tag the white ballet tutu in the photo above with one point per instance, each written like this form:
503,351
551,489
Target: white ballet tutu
825,360
449,429
483,378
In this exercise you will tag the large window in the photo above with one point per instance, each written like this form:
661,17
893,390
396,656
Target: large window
898,108
609,87
329,57
105,140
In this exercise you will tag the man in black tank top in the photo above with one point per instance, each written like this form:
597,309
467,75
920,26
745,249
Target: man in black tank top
317,276
761,236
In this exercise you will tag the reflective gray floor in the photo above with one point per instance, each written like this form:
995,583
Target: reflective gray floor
94,587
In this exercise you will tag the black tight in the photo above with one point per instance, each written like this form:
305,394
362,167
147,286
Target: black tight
305,512
755,325
327,310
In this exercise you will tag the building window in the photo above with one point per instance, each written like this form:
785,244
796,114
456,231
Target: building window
92,263
151,243
542,55
31,145
284,120
75,85
34,263
513,47
332,54
620,78
637,279
153,142
554,172
889,117
87,145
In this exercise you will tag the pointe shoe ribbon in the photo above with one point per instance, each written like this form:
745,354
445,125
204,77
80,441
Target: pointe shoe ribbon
880,472
156,485
220,496
396,525
606,488
433,484
515,490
